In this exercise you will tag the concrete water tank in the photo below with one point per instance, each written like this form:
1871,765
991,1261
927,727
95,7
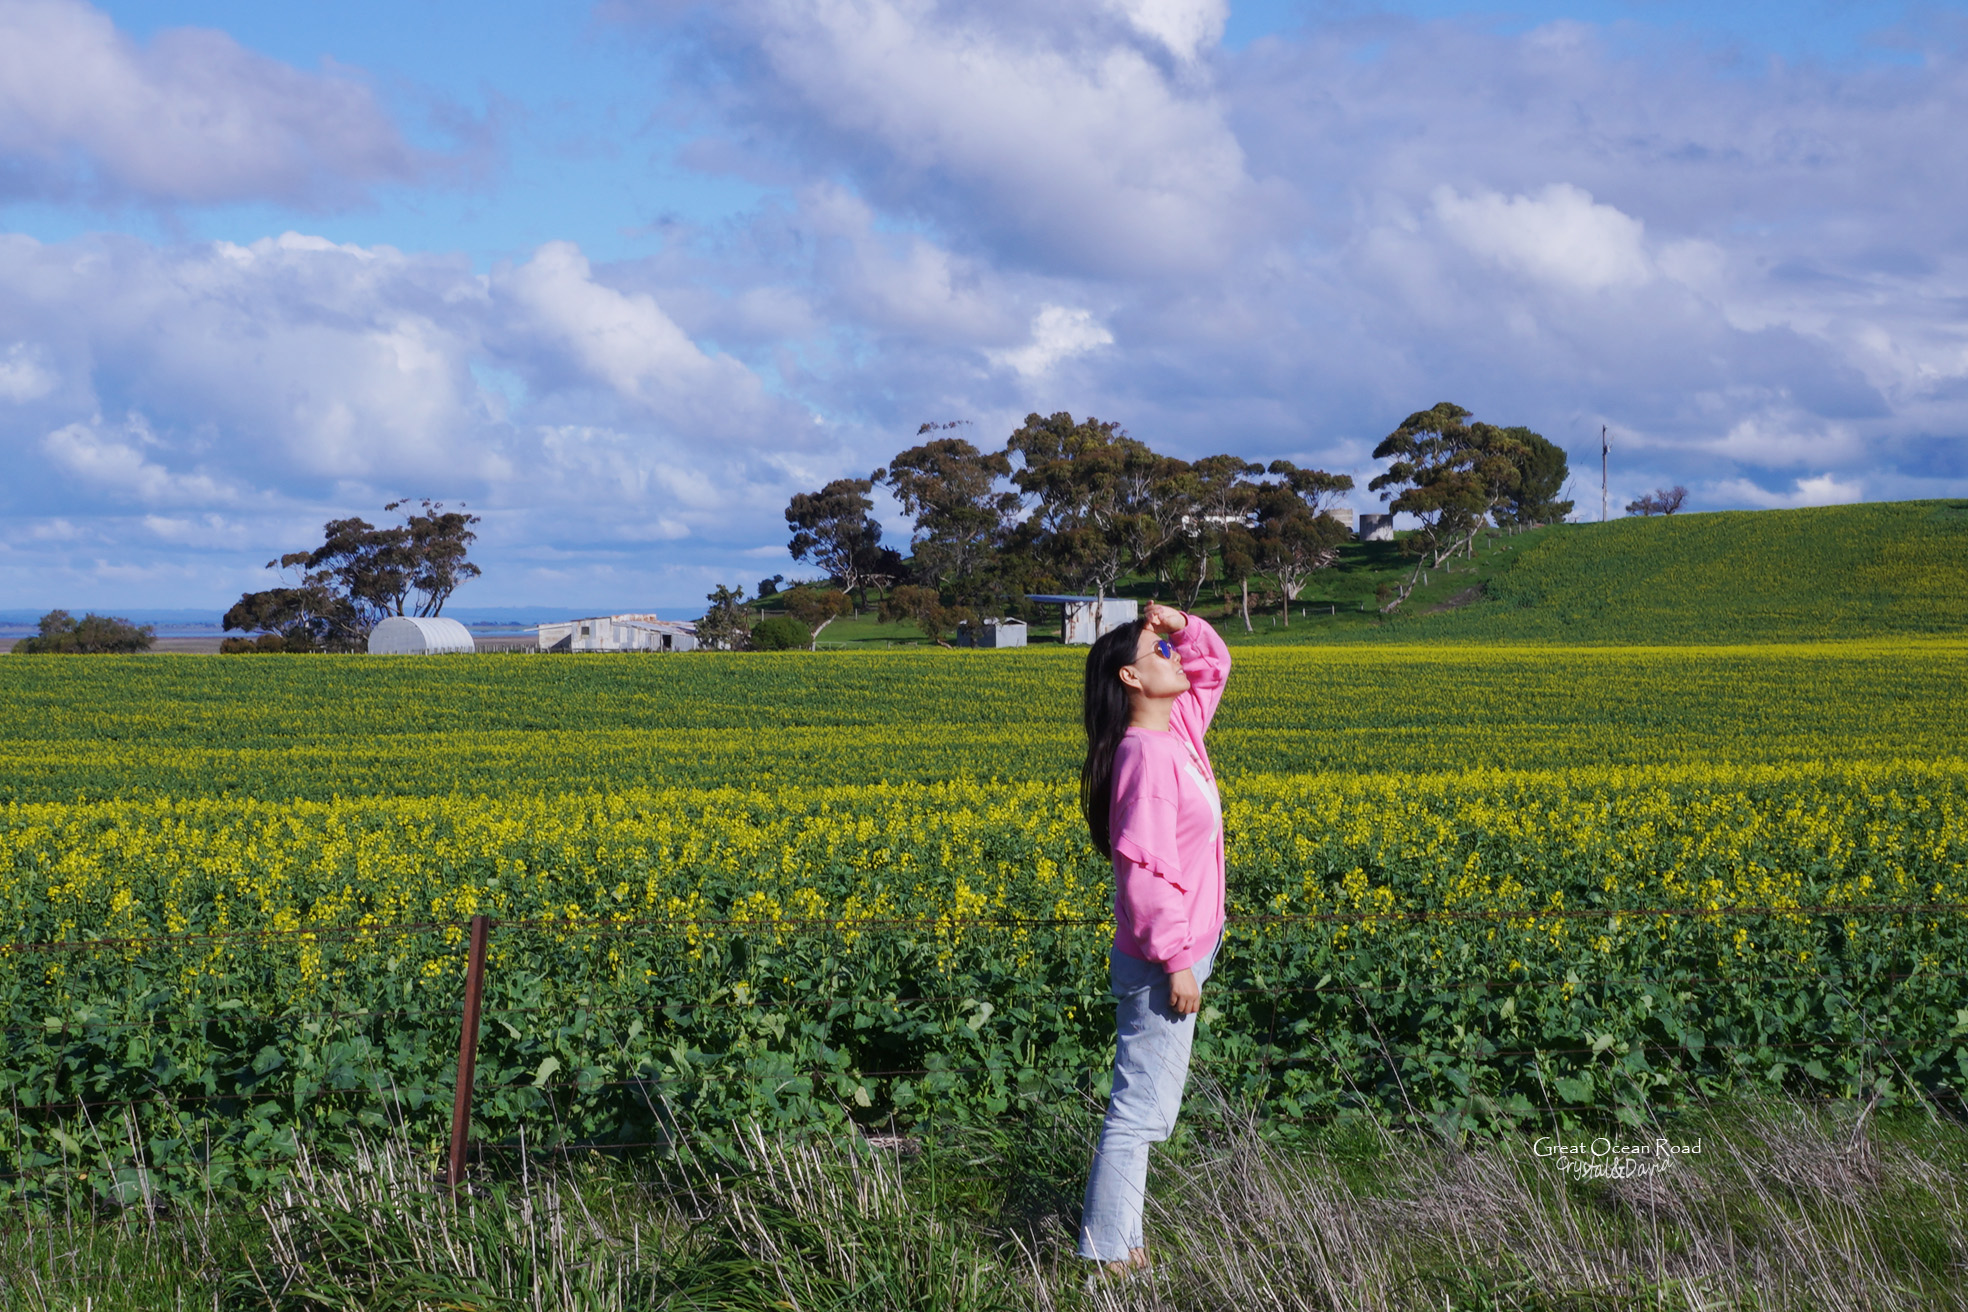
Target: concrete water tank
419,635
1375,528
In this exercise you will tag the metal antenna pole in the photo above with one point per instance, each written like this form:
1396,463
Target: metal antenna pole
1604,446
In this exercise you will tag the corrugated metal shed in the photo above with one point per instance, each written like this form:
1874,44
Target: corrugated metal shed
992,632
419,635
635,631
1089,617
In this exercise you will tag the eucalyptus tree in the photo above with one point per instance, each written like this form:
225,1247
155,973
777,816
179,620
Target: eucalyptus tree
724,626
361,574
1216,497
815,607
1294,541
1449,474
960,501
836,529
1542,470
1073,473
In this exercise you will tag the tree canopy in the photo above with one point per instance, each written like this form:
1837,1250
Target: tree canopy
962,512
1076,477
815,607
724,626
1073,504
1449,474
924,608
1542,470
1295,537
360,575
1661,501
1211,496
835,528
93,634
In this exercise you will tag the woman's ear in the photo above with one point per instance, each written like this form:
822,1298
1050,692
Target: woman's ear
1131,677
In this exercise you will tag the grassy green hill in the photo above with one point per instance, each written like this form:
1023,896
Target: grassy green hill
1884,569
1888,568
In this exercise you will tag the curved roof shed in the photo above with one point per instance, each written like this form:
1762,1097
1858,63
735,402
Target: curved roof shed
419,635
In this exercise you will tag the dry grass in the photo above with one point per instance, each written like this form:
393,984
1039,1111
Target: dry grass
1785,1207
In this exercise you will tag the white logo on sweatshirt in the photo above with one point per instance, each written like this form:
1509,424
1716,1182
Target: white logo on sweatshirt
1208,788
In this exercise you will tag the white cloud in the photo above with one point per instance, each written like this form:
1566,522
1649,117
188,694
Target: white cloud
1560,235
341,361
1183,26
110,458
1752,273
623,341
899,281
1780,435
1821,490
683,488
23,375
204,532
1069,148
272,385
1827,490
1058,333
55,530
192,117
1698,264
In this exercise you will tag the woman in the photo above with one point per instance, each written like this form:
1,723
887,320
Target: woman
1152,806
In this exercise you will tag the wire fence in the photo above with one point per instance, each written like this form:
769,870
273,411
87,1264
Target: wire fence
875,924
1877,1048
58,1025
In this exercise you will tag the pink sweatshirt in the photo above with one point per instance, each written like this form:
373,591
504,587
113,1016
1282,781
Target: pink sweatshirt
1167,821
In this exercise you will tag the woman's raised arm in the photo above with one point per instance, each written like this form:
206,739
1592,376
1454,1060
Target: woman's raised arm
1206,662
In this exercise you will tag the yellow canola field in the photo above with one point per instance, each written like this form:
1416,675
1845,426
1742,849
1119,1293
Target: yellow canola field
1523,845
1466,886
280,728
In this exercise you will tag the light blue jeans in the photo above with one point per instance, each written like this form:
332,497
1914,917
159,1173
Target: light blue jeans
1151,1065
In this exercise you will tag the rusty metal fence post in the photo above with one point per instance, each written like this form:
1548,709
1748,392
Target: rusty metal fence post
467,1052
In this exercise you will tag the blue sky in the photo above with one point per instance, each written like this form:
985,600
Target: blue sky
623,278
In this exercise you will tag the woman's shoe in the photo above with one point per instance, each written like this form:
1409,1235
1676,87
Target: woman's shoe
1135,1266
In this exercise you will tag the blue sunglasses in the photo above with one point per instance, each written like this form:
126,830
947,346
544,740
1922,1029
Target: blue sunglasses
1162,648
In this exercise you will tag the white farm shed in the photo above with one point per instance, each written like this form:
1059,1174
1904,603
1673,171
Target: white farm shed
1089,617
419,635
1006,632
634,631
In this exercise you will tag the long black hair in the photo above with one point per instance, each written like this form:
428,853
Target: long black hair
1106,707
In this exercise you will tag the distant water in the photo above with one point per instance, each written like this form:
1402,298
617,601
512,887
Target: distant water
488,620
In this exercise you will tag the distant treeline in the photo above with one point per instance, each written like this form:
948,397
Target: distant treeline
1066,505
359,575
1075,505
93,634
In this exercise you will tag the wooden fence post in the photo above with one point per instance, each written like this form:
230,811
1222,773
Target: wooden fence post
467,1052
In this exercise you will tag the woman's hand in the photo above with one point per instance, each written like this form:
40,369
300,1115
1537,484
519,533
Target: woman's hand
1165,619
1185,994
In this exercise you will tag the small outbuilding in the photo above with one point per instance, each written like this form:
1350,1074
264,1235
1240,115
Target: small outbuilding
1005,632
1086,618
632,631
420,635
